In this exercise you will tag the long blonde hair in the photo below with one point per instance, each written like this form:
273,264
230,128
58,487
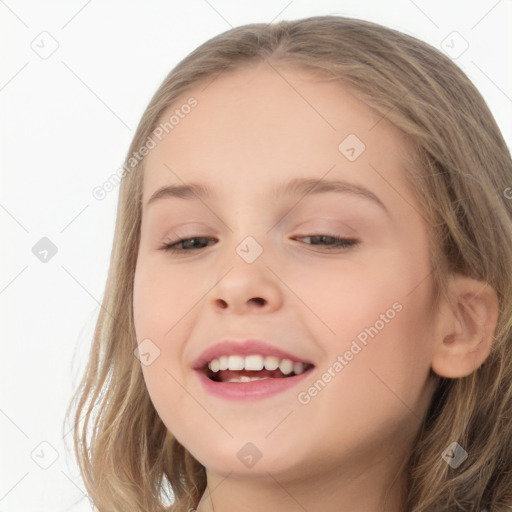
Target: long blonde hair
460,171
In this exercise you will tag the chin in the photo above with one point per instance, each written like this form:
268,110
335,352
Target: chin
250,459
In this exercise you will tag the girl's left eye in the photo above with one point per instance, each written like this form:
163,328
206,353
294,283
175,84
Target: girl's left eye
337,242
189,245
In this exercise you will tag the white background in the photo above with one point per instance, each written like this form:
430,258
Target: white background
66,122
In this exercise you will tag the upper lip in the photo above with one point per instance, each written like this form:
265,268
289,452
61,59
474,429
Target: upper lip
243,348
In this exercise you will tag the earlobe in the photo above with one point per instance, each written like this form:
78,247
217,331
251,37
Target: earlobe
466,326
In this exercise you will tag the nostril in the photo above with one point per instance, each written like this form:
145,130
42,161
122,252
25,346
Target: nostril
222,303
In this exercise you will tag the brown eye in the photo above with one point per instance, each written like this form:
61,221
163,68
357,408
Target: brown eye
185,244
331,242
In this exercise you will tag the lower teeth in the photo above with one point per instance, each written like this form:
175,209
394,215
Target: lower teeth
245,378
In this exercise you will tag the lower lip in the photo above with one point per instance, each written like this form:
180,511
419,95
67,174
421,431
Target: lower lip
254,390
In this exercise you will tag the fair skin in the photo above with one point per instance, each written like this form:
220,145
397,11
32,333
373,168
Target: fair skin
342,451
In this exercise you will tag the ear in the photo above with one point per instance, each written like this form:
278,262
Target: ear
466,326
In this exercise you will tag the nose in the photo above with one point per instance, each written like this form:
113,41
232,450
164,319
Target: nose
247,287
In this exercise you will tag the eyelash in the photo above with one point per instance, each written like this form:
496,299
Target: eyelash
343,243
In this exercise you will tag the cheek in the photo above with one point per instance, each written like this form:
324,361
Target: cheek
381,316
391,370
160,299
169,396
158,307
357,295
382,390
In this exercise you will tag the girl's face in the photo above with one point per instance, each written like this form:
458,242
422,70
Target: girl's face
263,266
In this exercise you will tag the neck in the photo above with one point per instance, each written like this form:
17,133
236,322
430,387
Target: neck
376,488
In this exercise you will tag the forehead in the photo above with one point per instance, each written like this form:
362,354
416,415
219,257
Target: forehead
263,124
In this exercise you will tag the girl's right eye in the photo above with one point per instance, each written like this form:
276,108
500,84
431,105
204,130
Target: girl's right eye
173,246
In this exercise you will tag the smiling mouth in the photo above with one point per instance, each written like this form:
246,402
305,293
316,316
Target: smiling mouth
239,369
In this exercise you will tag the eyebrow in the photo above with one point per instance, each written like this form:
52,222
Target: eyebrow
296,186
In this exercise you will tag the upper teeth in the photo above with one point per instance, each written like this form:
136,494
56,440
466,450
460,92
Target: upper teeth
255,363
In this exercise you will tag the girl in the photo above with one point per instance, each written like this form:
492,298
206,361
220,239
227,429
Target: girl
309,300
